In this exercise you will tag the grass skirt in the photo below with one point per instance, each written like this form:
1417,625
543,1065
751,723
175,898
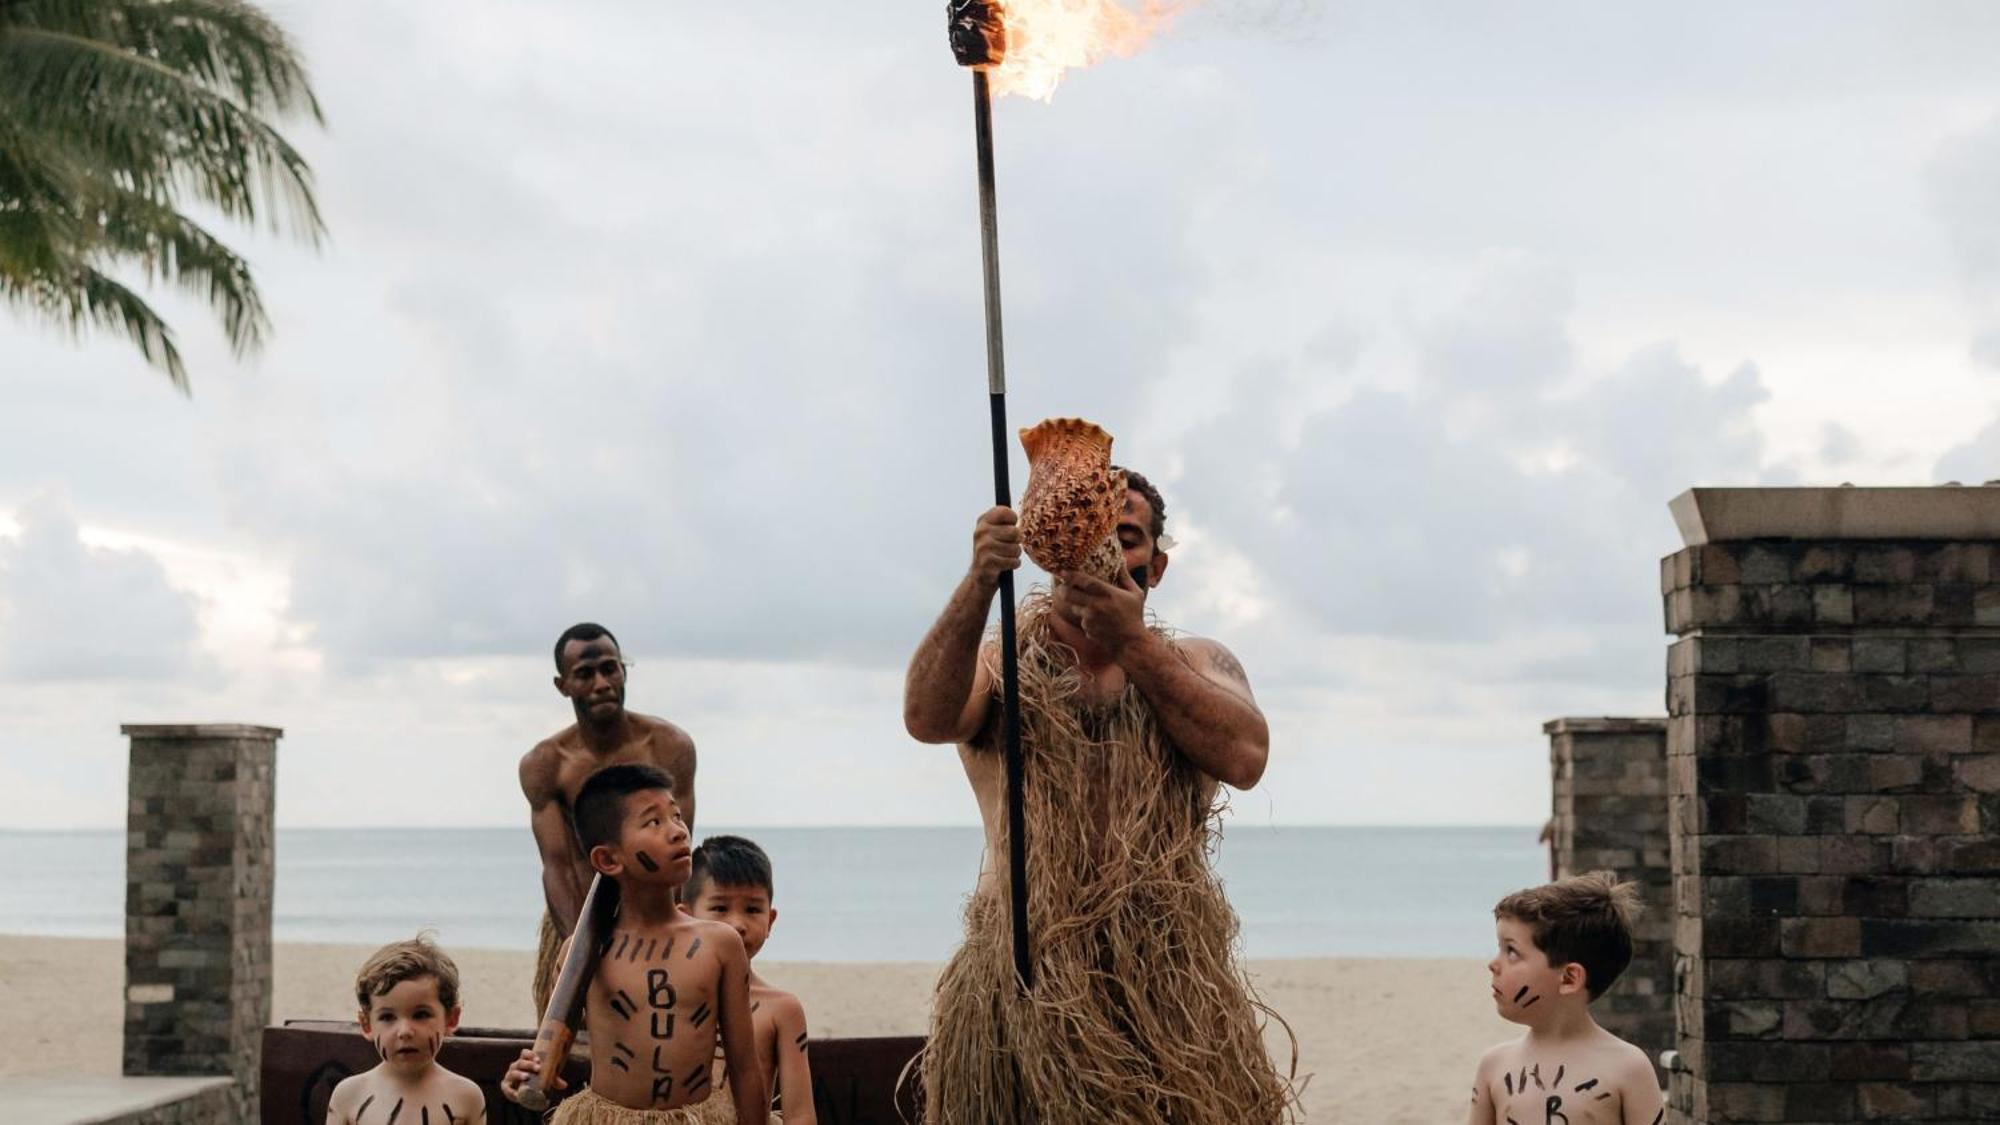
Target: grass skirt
587,1107
548,943
1139,1014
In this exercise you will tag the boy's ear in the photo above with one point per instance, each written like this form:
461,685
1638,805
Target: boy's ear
451,1020
772,914
604,859
361,1017
1574,978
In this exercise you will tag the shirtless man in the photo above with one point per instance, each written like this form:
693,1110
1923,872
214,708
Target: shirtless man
1197,688
1173,715
590,673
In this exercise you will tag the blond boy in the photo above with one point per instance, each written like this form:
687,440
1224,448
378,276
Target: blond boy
668,986
1560,946
408,992
732,884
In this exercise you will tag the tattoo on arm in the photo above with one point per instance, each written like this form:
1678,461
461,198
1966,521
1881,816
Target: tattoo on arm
1226,663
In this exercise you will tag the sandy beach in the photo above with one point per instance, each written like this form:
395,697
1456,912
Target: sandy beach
1382,1040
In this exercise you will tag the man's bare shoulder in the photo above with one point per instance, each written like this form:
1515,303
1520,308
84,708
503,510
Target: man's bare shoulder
541,767
1211,653
663,734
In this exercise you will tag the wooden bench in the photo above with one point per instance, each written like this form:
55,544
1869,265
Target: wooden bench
854,1080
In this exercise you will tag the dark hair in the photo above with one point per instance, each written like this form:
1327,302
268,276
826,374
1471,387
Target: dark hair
399,961
599,809
1136,481
728,861
1585,920
581,631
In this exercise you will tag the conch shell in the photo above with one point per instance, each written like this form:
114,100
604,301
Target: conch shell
1069,513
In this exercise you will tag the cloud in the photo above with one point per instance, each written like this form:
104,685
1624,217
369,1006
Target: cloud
1504,491
71,612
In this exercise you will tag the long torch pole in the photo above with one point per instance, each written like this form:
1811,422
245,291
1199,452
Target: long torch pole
1010,672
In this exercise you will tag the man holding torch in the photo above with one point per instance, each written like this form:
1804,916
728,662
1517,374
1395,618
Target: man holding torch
1137,1011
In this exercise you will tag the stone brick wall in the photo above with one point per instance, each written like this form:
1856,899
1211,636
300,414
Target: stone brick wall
1834,782
198,882
1609,781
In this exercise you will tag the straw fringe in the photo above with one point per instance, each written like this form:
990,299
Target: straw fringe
1139,1015
548,943
588,1107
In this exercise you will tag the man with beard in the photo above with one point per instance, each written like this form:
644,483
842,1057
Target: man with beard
1139,1012
590,673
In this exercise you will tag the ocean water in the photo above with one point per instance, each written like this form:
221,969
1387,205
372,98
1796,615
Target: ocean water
843,894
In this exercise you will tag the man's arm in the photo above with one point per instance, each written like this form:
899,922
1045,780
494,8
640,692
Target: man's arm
1198,690
739,1035
1201,696
795,1091
947,690
560,887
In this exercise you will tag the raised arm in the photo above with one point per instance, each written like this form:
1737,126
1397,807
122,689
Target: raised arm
739,1035
560,885
947,690
1198,690
1201,696
795,1086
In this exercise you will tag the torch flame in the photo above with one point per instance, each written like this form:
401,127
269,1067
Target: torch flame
1047,37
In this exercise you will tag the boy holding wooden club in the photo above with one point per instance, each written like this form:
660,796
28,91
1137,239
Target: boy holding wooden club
668,986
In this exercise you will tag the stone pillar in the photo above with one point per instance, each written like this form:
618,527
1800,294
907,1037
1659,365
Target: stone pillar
1834,781
198,880
1610,814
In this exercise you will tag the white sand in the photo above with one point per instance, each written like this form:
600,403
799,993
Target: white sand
1384,1041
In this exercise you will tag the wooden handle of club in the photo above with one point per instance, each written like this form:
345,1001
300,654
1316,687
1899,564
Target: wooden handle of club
558,1027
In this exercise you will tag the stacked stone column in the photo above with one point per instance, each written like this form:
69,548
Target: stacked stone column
1609,777
198,883
1834,781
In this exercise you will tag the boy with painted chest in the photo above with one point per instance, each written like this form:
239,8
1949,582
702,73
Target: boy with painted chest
1561,946
408,992
668,985
732,884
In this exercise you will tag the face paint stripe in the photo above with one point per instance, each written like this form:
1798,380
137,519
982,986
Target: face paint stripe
622,940
426,1120
1509,1076
1530,1003
1582,1086
648,862
693,948
1518,995
395,1111
370,1100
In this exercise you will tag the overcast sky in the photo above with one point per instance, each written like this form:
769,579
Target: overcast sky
667,316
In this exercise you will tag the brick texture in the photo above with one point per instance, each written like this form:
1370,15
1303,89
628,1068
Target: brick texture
1609,783
198,883
1833,778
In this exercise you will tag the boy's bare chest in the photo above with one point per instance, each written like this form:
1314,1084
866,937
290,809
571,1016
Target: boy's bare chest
653,1018
1555,1092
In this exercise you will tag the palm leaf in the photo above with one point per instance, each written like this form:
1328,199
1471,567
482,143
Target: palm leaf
111,111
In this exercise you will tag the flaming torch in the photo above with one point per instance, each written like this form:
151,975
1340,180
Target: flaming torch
1025,45
979,41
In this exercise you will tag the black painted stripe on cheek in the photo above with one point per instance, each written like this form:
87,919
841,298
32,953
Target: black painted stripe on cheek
647,862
